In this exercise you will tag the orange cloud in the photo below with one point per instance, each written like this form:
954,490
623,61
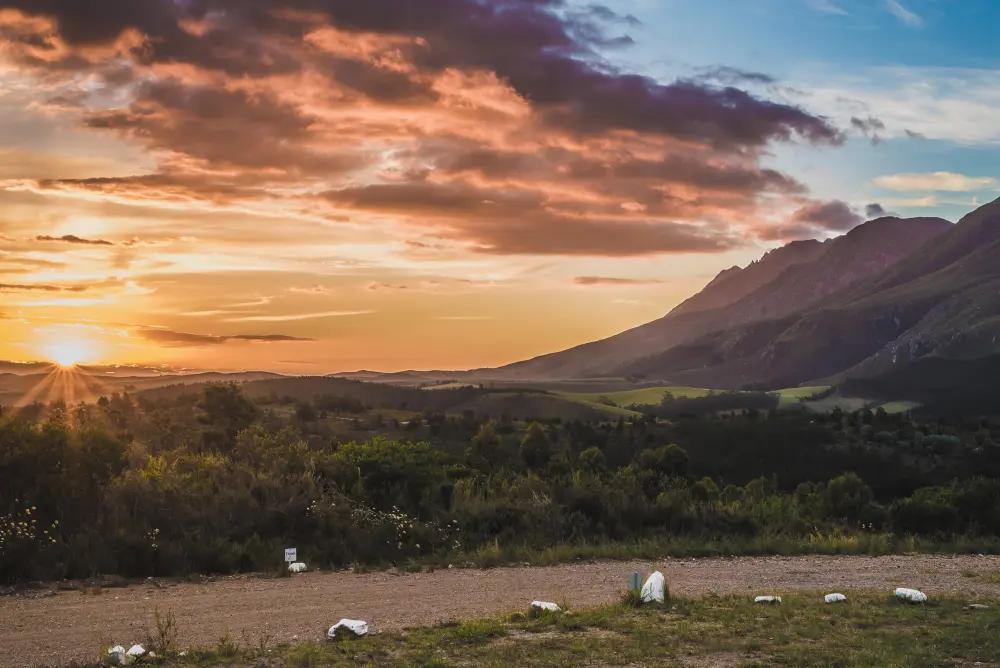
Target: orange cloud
325,148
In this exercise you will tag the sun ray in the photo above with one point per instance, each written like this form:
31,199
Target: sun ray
71,385
93,386
43,386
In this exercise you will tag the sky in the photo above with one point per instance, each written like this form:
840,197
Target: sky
310,186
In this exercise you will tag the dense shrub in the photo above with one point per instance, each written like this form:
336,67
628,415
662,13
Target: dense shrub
218,483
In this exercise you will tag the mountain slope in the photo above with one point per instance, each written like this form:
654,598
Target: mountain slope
943,299
782,282
733,284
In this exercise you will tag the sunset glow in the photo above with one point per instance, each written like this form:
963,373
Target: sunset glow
314,187
70,345
68,353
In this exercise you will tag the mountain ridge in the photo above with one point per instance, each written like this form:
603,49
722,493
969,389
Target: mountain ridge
795,280
926,304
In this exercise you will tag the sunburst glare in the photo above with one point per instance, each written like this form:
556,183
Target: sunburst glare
69,345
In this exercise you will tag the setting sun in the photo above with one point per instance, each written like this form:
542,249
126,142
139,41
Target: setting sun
66,354
69,345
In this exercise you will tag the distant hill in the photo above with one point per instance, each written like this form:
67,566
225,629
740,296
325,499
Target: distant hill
47,383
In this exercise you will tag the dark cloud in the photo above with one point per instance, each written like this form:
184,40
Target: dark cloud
614,280
875,210
610,238
181,339
83,23
833,215
224,128
815,219
527,222
870,127
608,15
73,239
545,54
734,76
379,83
913,134
534,49
691,168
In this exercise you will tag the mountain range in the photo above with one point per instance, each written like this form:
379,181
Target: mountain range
891,293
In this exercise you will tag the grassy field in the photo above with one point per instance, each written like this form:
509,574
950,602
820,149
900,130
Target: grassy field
871,629
835,543
645,396
650,396
794,395
595,402
620,403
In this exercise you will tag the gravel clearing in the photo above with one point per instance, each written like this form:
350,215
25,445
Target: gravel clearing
57,627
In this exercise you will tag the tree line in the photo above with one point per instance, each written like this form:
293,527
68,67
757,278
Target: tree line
212,482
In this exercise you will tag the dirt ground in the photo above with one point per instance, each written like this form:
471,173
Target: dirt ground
56,627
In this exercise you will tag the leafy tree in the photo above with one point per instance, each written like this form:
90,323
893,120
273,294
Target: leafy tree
669,460
847,496
705,490
484,447
536,449
592,460
927,512
385,473
224,412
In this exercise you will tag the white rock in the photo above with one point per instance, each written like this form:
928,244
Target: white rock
118,657
767,599
296,567
654,588
834,598
545,605
910,595
978,606
136,651
356,626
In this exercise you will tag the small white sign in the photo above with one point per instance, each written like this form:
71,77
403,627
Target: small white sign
291,554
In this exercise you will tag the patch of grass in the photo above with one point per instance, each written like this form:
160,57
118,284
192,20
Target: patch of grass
632,598
828,404
893,407
644,396
162,639
477,631
498,554
306,655
872,630
599,403
794,395
227,647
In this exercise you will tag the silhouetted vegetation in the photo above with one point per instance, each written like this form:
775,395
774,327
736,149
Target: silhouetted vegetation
213,481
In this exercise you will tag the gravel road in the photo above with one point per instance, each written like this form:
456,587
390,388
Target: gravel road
57,627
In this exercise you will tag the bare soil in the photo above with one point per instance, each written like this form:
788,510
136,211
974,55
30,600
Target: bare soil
56,627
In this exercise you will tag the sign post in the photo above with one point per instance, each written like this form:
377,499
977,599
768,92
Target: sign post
291,554
633,581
